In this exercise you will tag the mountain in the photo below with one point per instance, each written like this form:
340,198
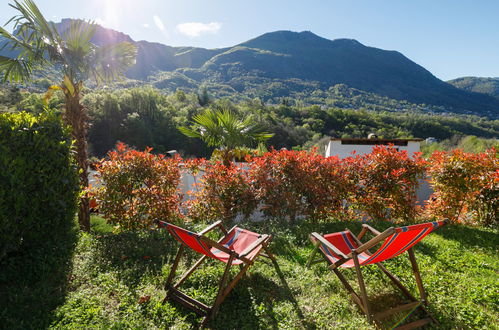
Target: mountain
281,63
489,86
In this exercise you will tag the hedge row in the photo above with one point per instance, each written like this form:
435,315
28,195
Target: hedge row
289,184
38,180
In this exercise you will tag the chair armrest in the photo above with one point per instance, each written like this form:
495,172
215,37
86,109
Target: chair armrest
213,226
254,245
160,223
372,242
371,229
217,245
328,244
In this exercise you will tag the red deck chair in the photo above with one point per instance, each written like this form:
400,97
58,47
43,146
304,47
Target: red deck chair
237,247
345,250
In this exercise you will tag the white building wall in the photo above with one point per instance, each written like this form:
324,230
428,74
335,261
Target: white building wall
335,148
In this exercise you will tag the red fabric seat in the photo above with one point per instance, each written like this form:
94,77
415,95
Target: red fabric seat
237,240
399,242
344,242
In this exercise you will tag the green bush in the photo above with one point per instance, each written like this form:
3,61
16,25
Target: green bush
38,181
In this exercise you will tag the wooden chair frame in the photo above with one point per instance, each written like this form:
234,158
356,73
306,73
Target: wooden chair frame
225,286
362,299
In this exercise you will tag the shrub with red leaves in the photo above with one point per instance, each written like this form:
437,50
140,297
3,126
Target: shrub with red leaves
387,180
466,186
300,183
222,193
138,188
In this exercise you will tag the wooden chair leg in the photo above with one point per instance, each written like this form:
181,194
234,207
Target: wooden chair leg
174,267
219,298
314,252
173,270
395,280
417,275
268,253
350,290
362,286
405,291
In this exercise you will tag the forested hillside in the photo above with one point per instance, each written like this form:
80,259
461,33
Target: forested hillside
482,85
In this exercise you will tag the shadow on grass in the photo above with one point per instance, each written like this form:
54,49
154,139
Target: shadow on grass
33,283
472,237
254,299
132,254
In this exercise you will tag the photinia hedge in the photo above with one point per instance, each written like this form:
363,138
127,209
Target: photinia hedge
300,183
387,180
222,193
466,186
138,187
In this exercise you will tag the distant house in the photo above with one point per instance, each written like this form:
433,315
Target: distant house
345,147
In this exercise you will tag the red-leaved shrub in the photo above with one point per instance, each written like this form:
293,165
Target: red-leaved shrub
387,180
222,193
466,186
137,188
299,183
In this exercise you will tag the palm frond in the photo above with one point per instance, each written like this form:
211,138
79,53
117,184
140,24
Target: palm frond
223,129
15,69
111,61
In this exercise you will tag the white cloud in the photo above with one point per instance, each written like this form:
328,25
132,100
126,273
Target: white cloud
196,29
145,25
159,23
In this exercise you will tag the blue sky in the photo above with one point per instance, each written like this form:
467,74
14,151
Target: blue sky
450,38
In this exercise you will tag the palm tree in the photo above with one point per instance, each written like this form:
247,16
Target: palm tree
222,129
39,44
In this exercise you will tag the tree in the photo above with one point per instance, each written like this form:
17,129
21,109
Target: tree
203,97
222,129
39,44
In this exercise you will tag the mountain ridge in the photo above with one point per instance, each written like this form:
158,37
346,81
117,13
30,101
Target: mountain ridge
484,85
288,57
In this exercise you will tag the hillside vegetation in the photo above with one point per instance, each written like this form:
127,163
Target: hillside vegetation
488,86
144,117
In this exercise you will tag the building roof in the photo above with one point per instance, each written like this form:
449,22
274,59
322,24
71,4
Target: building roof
363,141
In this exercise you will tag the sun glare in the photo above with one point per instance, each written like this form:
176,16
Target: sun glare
111,12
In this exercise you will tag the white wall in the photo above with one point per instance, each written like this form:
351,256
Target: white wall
335,148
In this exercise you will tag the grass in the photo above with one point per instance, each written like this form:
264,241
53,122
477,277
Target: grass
108,280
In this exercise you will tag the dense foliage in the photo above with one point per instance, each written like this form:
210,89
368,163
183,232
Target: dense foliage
387,180
137,188
223,192
145,116
466,186
470,143
36,44
482,85
38,181
289,184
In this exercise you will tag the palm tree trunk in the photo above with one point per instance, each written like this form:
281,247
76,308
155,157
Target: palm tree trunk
76,117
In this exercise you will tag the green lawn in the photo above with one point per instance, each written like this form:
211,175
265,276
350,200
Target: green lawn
97,280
